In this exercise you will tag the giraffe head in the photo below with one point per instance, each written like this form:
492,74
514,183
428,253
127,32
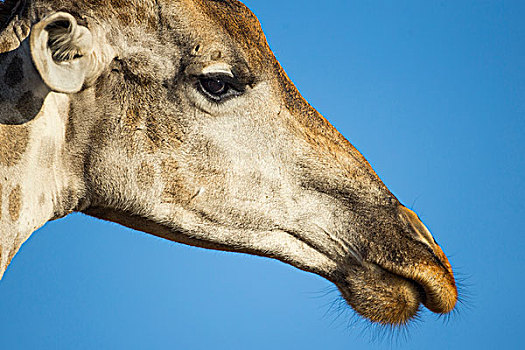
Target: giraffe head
175,118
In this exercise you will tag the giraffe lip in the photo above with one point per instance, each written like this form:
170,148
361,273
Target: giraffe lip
435,282
381,296
393,295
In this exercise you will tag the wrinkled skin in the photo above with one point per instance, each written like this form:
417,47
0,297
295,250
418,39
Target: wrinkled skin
257,171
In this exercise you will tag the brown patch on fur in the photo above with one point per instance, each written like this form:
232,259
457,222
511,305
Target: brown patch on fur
15,203
14,73
169,167
13,143
171,193
145,176
125,17
147,18
153,133
42,199
140,12
98,132
0,213
131,132
133,118
145,132
174,189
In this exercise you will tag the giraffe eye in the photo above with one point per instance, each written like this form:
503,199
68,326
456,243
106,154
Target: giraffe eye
214,86
219,87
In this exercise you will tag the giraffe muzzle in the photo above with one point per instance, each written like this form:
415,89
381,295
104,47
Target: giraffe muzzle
434,275
390,290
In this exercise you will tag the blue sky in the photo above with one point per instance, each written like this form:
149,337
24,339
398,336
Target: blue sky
432,93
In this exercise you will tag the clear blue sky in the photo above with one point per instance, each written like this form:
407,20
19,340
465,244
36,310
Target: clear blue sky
432,93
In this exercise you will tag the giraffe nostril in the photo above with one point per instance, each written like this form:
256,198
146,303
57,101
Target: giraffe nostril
416,227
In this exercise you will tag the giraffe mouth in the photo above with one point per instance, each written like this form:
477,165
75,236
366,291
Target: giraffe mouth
380,296
434,279
391,294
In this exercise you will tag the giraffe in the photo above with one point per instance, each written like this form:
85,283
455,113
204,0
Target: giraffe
173,117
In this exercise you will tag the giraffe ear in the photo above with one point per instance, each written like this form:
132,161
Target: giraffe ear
61,50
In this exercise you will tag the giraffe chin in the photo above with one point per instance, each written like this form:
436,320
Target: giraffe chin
382,297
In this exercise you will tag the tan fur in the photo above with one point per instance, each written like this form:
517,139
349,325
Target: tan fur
15,203
145,175
15,138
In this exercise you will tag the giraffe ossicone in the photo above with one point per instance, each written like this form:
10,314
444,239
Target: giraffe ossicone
173,117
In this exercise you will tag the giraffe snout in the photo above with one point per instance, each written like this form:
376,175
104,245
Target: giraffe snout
434,274
399,268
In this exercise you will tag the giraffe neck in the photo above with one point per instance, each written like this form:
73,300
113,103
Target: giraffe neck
33,179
